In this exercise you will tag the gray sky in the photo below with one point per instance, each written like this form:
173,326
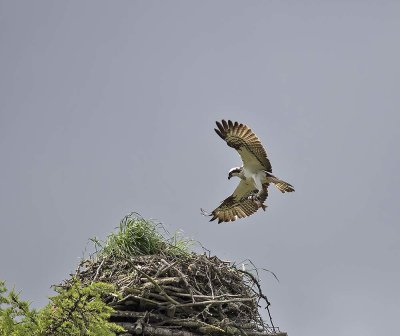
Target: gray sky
108,107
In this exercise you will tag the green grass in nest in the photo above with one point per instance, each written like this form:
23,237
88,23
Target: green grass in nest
138,236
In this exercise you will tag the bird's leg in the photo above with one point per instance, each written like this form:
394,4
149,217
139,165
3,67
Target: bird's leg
260,205
258,179
257,200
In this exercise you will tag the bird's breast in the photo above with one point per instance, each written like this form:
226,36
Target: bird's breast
250,173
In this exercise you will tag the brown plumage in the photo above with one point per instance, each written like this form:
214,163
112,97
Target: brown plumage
241,138
240,204
255,174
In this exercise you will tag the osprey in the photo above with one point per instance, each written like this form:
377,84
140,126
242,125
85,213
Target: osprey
255,175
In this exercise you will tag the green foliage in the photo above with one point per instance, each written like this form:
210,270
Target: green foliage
16,318
79,309
74,311
137,236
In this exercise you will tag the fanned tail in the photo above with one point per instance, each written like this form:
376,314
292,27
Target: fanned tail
280,184
284,186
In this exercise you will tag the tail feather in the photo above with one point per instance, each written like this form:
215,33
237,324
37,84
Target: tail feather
280,184
284,186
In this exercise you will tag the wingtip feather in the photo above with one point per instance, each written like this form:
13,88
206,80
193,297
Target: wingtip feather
219,133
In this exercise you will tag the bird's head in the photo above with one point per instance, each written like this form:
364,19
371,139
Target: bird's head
235,172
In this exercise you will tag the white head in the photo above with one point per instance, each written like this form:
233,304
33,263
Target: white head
236,171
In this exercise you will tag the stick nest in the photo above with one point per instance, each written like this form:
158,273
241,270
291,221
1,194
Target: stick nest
176,292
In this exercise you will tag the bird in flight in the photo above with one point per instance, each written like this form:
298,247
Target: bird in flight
255,174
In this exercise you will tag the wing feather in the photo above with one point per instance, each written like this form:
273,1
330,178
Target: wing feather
249,147
238,205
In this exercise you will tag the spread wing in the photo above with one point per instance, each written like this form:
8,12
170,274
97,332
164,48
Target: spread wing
238,205
247,144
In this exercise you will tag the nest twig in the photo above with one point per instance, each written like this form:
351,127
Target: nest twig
183,295
163,289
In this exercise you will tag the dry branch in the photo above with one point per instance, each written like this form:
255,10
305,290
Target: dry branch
187,295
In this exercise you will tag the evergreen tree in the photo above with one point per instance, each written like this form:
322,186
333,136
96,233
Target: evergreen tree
75,311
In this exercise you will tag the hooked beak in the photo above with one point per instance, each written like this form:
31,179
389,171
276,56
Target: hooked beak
229,177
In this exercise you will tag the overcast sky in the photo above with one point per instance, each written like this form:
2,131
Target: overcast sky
108,107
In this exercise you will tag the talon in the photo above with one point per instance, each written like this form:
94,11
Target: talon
254,197
259,203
